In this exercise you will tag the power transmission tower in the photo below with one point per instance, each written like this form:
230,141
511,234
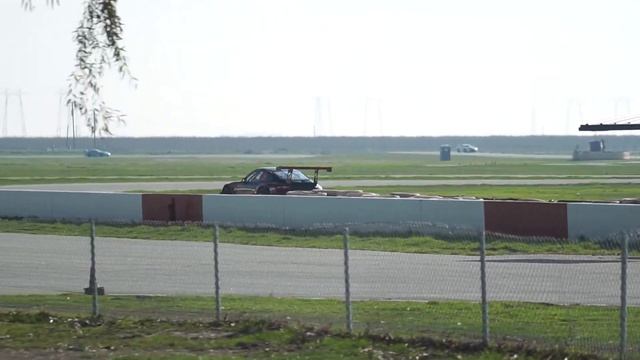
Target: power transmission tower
572,105
627,122
22,120
71,126
323,121
533,120
61,94
380,123
621,103
5,118
318,120
5,123
329,117
374,105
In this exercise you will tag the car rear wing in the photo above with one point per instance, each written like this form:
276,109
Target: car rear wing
315,168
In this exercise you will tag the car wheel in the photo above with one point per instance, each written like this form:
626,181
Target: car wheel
263,190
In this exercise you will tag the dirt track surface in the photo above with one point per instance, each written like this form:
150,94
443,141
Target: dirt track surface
56,264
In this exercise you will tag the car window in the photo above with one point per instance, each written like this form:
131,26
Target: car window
296,175
253,176
265,177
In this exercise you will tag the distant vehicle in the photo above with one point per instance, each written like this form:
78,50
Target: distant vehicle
275,180
96,153
467,148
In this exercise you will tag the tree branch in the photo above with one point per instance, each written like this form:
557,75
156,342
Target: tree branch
98,48
98,39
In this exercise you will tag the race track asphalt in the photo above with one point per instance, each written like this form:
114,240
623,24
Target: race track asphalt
57,264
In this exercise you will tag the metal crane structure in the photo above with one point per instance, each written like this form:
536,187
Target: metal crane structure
628,123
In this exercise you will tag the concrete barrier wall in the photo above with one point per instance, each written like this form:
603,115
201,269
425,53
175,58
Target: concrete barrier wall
167,207
573,220
71,205
596,221
309,211
527,218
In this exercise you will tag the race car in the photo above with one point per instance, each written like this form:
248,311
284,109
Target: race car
276,180
96,153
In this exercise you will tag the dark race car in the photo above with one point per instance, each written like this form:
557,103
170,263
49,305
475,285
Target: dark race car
275,180
96,153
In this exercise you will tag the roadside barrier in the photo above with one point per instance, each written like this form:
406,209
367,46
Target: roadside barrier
571,221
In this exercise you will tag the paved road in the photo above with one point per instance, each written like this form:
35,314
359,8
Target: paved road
54,264
215,186
80,154
454,153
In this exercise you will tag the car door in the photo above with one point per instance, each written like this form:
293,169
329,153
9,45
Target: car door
250,181
275,184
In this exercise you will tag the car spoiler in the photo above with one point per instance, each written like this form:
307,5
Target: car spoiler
315,168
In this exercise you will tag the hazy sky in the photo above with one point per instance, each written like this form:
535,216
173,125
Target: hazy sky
343,67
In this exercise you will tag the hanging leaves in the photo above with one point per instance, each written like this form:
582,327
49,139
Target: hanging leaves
98,48
28,4
98,39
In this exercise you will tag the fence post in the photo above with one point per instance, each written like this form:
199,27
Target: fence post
93,283
347,281
216,270
624,258
483,288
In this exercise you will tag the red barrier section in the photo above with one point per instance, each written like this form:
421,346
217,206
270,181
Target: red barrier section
526,218
163,207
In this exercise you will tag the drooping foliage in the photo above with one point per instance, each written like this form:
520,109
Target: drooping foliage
98,38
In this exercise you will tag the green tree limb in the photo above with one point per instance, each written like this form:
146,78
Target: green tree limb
98,40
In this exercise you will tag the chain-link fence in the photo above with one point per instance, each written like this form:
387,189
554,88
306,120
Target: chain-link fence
418,279
565,293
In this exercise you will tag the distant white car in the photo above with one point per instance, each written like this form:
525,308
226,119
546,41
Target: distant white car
467,148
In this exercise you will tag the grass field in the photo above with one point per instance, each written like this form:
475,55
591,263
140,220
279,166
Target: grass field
69,169
578,192
20,170
256,324
150,324
408,243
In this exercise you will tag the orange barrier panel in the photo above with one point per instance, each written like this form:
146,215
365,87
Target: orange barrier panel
526,218
166,207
